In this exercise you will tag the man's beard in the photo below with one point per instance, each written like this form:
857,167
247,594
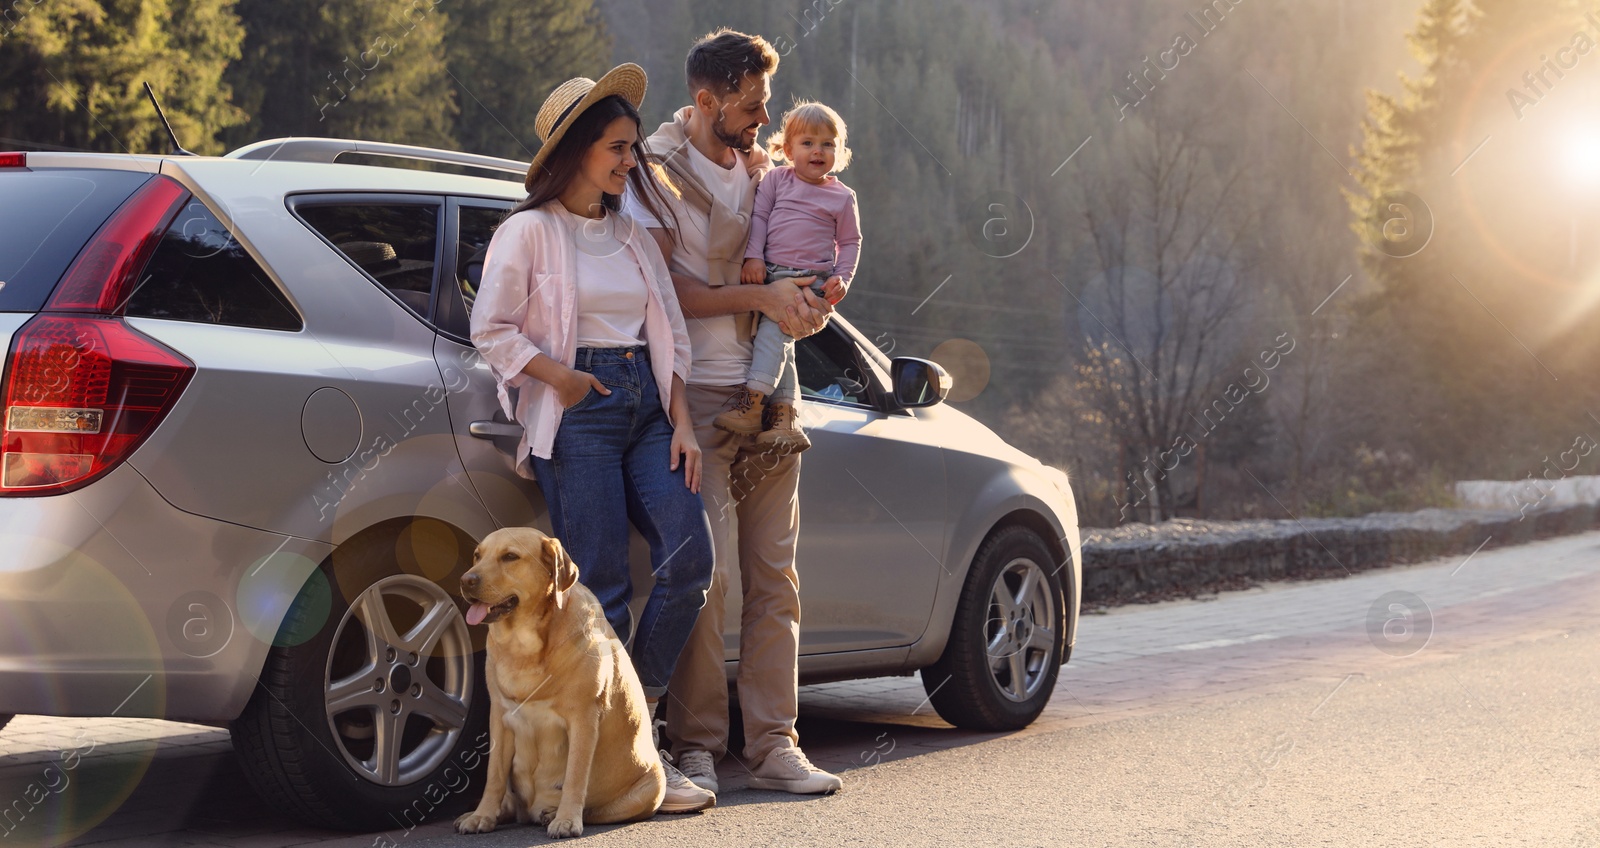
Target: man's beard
734,140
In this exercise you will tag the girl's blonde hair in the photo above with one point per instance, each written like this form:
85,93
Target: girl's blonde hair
811,116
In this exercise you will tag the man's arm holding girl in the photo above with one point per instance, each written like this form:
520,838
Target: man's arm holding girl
799,312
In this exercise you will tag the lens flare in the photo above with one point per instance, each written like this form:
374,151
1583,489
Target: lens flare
1580,155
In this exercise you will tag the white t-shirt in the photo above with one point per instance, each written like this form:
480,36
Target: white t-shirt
721,357
612,297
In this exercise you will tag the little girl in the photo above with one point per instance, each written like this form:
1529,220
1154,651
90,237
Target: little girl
804,224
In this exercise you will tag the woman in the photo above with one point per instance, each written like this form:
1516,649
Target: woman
577,313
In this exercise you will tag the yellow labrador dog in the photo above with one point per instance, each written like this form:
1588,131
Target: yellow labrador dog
570,740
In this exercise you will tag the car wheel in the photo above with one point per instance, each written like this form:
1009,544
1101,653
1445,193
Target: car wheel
999,668
371,714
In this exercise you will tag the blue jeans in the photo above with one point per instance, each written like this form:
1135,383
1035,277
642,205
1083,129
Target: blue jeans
772,354
608,467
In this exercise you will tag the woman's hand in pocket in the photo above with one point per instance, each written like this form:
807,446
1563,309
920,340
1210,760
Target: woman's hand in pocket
684,444
575,384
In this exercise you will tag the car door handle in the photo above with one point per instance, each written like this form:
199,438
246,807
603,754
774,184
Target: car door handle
494,430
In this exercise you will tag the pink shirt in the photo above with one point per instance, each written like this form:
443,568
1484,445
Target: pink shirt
526,307
804,225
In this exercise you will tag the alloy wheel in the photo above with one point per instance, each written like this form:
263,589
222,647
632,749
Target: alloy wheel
399,680
1021,630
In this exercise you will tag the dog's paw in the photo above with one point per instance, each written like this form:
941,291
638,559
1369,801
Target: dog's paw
475,823
544,815
560,828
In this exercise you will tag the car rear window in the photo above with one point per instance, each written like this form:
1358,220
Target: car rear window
47,217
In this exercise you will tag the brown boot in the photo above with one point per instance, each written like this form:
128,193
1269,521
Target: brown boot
744,416
784,435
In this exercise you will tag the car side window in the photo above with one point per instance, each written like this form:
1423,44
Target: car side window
476,228
829,368
396,243
200,272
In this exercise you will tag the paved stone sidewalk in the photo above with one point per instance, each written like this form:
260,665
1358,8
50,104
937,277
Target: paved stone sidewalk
164,783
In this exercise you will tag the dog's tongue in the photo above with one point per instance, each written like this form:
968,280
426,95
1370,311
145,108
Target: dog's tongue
477,613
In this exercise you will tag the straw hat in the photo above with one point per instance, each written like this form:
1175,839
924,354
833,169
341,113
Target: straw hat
572,97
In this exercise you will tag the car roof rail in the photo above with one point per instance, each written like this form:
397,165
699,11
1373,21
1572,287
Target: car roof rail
303,149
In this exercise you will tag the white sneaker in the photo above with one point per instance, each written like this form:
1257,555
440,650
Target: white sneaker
682,796
788,770
700,768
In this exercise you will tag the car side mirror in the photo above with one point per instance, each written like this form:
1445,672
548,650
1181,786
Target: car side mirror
918,382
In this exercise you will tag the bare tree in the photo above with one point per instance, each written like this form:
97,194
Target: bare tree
1161,298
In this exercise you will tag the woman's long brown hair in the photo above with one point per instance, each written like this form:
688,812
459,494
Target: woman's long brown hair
563,163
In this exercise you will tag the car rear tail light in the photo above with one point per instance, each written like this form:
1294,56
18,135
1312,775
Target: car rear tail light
83,389
16,159
81,393
103,276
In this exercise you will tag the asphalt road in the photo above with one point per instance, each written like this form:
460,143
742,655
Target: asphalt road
1296,714
1496,747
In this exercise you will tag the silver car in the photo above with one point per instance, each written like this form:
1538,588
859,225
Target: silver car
248,450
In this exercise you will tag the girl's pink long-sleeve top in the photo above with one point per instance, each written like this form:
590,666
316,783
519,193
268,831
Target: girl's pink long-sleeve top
804,225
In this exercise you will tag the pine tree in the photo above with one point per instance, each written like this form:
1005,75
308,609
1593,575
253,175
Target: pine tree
367,69
75,68
505,56
1399,131
1460,319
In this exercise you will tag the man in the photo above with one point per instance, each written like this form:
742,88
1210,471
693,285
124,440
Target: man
707,153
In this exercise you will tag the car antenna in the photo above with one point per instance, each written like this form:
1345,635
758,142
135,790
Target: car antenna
177,148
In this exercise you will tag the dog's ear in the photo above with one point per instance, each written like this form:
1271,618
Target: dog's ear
563,571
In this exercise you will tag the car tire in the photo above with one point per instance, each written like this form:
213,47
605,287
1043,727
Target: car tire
333,767
999,668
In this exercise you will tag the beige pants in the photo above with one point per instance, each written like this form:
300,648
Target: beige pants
760,491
